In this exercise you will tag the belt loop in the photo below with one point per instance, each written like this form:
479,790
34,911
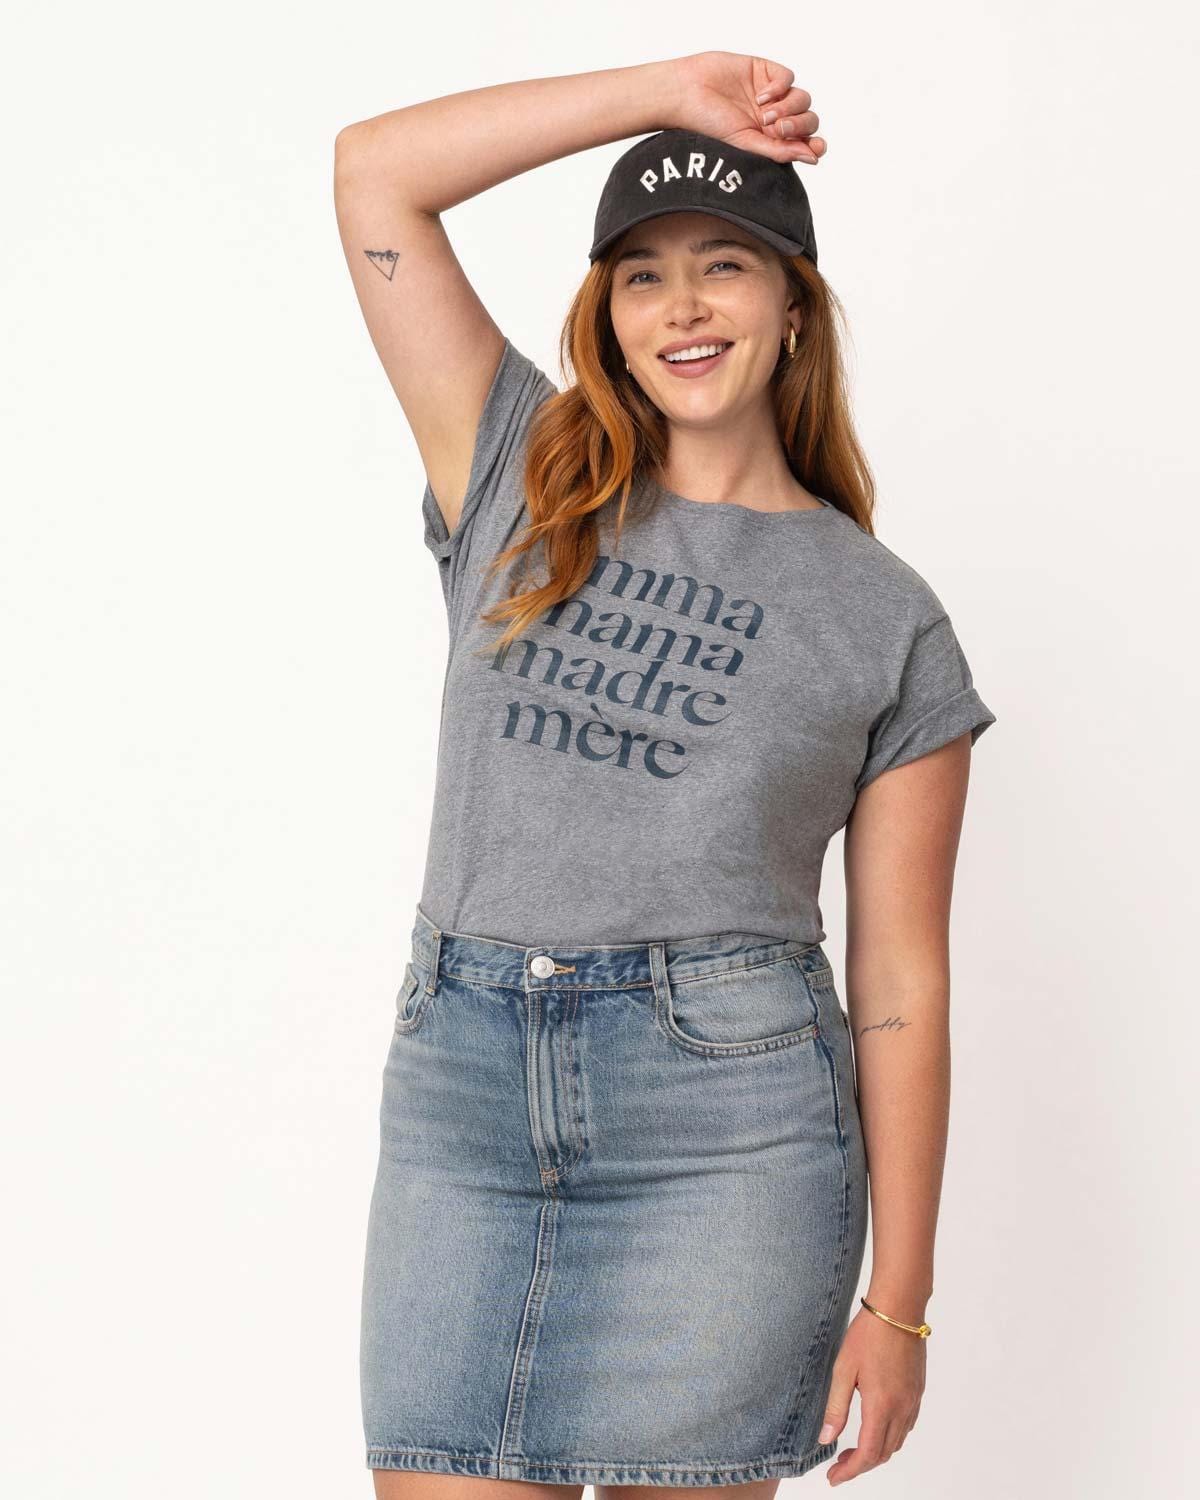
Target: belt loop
658,974
431,983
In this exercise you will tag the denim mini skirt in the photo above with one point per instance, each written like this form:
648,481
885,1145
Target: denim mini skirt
619,1214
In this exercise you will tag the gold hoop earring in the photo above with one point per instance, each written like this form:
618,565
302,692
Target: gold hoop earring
791,347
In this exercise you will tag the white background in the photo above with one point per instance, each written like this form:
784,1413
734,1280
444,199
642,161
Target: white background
222,654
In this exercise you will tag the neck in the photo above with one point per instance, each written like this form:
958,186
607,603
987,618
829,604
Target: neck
743,466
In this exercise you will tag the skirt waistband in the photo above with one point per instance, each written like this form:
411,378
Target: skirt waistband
597,966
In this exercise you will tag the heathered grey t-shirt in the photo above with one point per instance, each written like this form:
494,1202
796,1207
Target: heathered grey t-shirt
668,753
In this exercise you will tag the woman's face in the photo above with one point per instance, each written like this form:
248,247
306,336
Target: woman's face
675,288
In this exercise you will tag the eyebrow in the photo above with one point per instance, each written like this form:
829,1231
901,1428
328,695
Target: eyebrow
697,247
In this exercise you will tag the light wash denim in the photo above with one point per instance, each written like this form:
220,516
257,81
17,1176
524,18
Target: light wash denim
619,1215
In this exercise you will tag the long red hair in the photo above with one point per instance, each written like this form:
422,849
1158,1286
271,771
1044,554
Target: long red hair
589,445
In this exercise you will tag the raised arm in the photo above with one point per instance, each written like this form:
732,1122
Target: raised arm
395,174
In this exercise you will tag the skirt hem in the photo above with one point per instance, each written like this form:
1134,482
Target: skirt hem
572,1471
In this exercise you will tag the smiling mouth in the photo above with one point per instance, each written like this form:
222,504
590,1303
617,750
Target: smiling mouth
692,365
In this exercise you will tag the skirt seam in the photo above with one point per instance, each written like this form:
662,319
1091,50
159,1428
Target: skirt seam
571,1470
820,1337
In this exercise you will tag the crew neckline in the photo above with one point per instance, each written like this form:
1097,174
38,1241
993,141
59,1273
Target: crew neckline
661,492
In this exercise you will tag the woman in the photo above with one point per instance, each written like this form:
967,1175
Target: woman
620,1210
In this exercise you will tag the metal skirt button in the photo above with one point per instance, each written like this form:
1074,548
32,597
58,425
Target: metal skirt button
542,966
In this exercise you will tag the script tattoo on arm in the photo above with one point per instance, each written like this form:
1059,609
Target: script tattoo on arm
893,1023
384,261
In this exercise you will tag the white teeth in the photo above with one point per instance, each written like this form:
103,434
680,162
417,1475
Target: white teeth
697,351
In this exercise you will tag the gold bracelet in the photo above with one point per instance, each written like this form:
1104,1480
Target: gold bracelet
923,1331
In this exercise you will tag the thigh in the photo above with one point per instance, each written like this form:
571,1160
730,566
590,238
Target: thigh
400,1484
759,1489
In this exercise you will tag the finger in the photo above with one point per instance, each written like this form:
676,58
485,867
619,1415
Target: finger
794,102
777,150
864,1455
794,133
772,78
837,1403
797,126
810,150
908,1423
893,1437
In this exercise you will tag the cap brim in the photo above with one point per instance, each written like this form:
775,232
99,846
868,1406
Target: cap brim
780,242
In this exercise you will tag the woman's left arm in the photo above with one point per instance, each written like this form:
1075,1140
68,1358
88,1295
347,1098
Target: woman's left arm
900,847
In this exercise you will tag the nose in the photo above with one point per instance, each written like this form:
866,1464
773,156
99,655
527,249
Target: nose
685,303
686,311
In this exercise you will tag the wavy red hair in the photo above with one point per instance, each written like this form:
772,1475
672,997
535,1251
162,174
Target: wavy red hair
590,445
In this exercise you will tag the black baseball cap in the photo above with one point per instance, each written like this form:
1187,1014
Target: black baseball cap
677,170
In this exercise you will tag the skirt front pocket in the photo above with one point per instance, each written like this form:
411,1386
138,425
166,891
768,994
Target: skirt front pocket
758,1007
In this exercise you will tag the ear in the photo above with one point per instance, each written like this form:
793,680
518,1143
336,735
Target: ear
791,317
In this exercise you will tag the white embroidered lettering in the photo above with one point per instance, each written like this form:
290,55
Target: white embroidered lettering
695,168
